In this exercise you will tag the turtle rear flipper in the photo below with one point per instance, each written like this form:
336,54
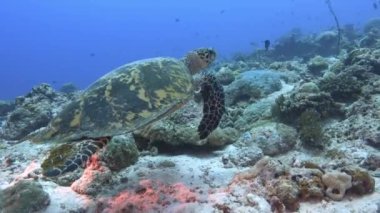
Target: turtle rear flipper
87,148
213,105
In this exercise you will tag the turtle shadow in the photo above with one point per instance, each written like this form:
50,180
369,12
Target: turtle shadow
186,149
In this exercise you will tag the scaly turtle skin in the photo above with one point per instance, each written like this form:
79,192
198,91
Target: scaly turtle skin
131,97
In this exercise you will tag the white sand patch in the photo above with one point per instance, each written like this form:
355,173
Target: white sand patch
63,199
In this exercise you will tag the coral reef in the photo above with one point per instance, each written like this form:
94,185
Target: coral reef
362,182
310,129
242,153
309,87
252,85
120,153
328,43
32,112
309,182
337,183
367,61
5,107
372,24
220,137
68,88
288,108
287,186
301,124
265,169
372,162
225,76
24,196
294,45
180,129
287,192
274,138
361,122
371,39
342,87
317,64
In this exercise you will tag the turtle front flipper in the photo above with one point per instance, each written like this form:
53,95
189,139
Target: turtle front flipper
213,105
67,159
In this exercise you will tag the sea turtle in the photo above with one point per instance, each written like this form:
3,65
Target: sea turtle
131,97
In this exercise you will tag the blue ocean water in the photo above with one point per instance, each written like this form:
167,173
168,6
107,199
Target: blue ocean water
78,41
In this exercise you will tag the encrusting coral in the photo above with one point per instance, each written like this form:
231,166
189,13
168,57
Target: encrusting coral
362,182
337,183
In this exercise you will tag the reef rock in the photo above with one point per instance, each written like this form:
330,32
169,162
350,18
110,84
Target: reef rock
294,45
309,182
344,86
310,129
168,133
252,85
180,128
266,169
120,153
362,122
24,196
287,192
367,60
253,113
243,152
220,137
337,184
317,64
225,76
372,162
327,42
373,24
288,108
5,107
362,182
32,112
309,87
274,138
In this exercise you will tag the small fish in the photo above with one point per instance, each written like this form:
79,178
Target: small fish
266,45
177,20
92,54
374,5
222,11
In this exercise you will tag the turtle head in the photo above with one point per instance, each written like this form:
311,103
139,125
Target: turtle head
199,59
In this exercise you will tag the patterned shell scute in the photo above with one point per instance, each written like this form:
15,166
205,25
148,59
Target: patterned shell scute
124,99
